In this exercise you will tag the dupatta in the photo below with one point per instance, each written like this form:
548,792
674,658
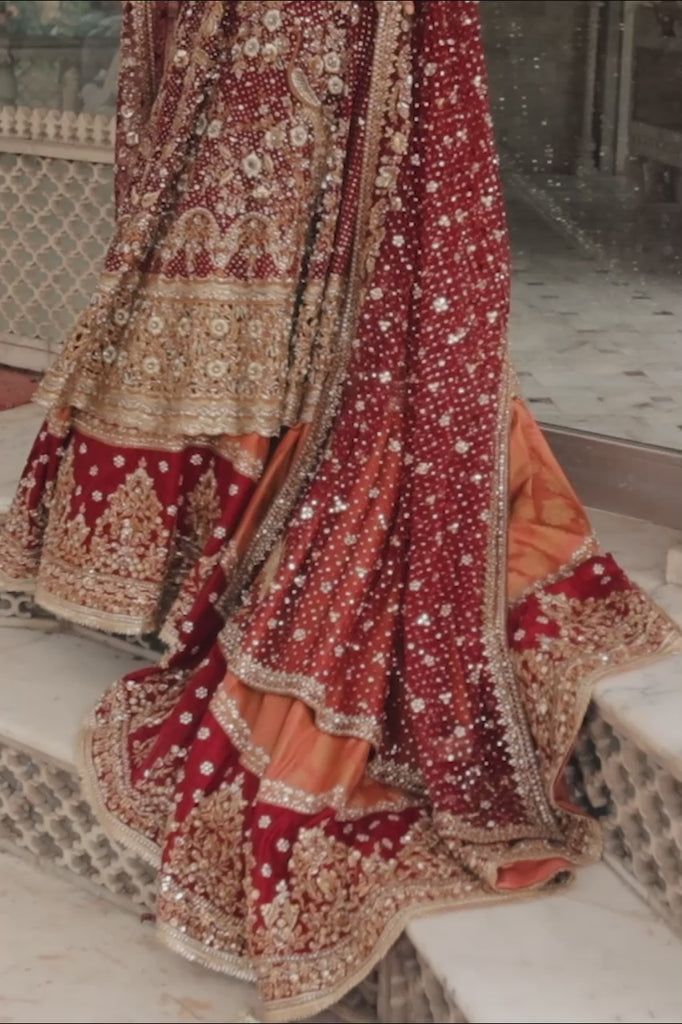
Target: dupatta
368,728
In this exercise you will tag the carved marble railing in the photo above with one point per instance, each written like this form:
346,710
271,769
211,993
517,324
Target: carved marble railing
62,134
56,212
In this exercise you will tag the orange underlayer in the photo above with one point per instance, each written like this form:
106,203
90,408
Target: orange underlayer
547,525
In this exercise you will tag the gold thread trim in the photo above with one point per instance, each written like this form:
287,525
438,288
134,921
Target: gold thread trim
81,615
195,417
226,447
589,547
216,288
305,688
225,710
141,845
188,948
527,775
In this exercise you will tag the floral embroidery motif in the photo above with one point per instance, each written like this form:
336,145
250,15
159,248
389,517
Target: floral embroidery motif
610,624
230,323
298,889
131,535
114,567
110,536
203,508
217,872
22,532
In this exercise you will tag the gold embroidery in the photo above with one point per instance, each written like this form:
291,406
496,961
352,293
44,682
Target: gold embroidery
246,345
593,637
390,54
140,811
57,422
282,794
110,575
66,531
225,710
216,875
190,573
230,448
388,770
225,558
203,507
589,547
117,560
214,361
189,569
131,536
226,713
522,760
192,234
323,925
295,684
22,531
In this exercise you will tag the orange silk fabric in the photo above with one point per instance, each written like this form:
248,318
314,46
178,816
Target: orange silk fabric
546,526
547,523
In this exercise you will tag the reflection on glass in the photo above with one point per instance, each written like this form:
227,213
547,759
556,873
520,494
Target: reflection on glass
59,54
587,101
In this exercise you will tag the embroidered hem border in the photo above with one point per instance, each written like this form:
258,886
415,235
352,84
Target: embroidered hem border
84,615
436,901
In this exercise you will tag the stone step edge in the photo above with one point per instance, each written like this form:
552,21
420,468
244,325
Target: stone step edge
596,943
429,988
610,757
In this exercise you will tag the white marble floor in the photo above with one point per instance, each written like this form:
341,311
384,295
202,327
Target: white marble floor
596,348
593,954
69,956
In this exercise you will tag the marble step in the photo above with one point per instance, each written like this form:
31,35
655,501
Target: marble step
25,353
51,679
593,954
69,955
